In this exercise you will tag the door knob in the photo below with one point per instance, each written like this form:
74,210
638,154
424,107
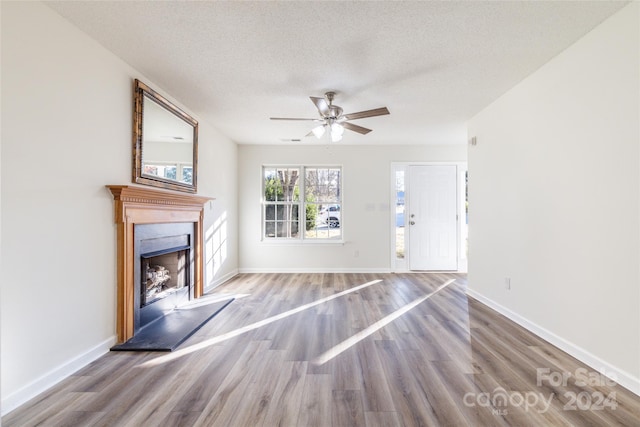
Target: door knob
412,222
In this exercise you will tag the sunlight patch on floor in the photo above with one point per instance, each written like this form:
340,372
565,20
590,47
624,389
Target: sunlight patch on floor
232,334
210,299
353,340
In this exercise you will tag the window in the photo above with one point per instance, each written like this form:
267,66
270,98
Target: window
281,202
316,216
399,220
322,203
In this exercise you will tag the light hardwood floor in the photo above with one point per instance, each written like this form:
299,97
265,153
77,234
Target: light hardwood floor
273,358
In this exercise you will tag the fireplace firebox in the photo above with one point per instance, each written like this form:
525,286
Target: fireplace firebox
163,275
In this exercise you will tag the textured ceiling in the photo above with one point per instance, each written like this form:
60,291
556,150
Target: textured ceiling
433,64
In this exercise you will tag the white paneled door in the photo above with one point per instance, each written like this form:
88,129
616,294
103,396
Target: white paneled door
433,218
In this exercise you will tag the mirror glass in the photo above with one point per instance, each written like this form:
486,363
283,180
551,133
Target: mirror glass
165,142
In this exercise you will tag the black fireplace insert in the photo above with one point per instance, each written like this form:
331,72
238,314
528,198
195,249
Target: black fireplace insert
163,275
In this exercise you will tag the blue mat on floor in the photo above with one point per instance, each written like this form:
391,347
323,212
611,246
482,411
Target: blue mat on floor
171,330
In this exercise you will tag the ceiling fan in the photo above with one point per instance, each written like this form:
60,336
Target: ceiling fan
332,119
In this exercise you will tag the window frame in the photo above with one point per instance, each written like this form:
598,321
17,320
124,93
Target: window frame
302,204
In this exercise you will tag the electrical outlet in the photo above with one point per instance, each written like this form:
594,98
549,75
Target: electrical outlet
507,283
356,254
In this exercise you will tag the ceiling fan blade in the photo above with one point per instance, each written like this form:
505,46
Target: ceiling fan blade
321,105
291,118
355,128
369,113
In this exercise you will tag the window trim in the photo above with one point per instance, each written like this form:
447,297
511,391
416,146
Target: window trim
301,239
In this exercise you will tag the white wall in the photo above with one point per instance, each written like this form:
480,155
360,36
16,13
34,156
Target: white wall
365,209
554,200
217,177
66,133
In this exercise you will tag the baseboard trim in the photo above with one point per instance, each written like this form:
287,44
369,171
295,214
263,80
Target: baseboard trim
51,378
622,377
220,280
314,270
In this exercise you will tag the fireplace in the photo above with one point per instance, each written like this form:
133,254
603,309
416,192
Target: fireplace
161,229
163,273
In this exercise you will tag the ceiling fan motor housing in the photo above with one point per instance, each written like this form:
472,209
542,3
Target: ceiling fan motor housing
334,110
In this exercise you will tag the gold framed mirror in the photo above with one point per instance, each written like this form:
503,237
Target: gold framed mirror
165,139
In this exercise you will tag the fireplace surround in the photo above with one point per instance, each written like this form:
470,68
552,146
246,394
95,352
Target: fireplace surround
138,210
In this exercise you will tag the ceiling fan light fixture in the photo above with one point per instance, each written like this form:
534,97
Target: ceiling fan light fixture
318,131
336,132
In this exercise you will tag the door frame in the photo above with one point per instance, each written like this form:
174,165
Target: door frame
402,265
